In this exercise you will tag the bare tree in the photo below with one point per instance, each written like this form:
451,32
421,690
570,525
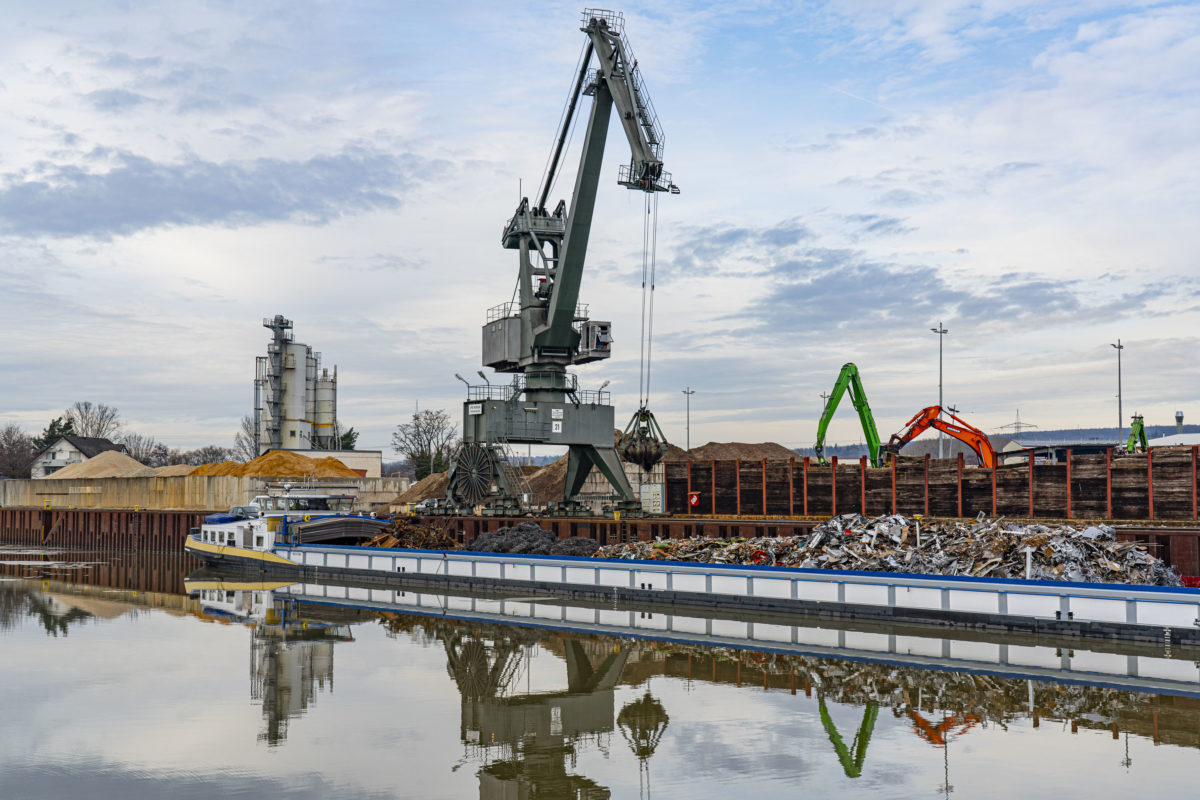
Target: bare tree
207,455
427,441
93,419
16,452
141,448
245,441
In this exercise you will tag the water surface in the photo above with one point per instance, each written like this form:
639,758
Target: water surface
119,684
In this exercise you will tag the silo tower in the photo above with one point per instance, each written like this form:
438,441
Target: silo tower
294,409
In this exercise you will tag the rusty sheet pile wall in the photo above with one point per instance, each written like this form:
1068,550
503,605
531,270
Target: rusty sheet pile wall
1160,484
200,493
159,531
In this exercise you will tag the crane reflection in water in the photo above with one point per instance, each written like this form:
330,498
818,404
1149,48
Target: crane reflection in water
528,740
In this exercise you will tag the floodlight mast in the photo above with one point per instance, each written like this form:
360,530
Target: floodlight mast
546,330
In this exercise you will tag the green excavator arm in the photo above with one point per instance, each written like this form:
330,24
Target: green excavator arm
848,380
1137,436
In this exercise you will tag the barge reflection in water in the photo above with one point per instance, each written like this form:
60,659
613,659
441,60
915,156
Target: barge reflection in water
145,693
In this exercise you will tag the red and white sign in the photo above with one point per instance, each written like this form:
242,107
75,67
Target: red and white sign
693,499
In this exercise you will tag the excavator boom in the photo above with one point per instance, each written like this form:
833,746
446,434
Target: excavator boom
931,417
849,381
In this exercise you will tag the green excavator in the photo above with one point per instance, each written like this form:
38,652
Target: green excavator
848,380
1137,436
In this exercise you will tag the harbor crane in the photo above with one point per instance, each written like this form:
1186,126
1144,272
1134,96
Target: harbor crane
544,329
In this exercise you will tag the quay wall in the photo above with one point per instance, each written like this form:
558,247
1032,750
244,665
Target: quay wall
176,493
99,529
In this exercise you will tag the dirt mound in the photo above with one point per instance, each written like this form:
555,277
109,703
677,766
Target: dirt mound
430,486
279,464
530,539
109,464
675,453
727,451
547,483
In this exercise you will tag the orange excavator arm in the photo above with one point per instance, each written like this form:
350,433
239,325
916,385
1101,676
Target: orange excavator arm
931,417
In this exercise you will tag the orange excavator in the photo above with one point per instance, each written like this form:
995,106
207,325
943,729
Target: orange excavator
931,417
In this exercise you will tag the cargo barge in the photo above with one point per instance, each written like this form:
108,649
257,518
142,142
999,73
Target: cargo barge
268,547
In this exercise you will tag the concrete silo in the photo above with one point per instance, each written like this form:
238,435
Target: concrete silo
293,408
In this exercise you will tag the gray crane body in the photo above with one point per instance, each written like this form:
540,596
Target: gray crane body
545,330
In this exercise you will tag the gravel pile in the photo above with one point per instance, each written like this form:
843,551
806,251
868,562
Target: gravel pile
528,538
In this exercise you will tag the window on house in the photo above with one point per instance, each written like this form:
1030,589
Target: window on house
292,434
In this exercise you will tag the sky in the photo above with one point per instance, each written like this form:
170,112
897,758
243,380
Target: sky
852,174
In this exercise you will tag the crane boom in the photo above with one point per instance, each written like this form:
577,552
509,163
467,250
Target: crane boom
849,381
616,82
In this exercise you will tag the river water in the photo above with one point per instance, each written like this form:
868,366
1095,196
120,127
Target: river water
121,682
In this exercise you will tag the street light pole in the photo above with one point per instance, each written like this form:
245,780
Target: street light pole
941,332
1120,414
688,392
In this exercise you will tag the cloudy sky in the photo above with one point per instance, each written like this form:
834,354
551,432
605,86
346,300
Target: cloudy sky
852,174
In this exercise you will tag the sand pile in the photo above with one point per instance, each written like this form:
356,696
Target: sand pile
109,464
279,464
430,486
175,470
727,451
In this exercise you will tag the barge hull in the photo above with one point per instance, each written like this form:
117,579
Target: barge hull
1168,616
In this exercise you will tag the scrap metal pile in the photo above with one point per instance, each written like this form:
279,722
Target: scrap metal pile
894,543
529,538
404,533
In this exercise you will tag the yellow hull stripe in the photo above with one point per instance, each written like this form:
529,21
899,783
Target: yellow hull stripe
236,586
235,552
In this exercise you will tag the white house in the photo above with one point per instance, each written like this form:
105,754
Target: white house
70,449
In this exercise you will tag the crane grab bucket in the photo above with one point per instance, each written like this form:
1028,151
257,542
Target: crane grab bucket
643,442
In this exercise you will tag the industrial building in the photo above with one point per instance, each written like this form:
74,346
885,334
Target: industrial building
295,399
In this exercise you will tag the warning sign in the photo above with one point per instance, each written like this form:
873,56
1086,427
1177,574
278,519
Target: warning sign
693,499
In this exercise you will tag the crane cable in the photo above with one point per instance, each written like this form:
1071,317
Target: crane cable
649,259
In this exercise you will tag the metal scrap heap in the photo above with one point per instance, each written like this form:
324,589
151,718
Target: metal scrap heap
405,533
894,543
528,538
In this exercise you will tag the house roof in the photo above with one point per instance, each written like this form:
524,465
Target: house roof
1175,439
1039,444
90,446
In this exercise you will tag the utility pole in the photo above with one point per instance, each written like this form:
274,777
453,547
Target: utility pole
941,332
1120,414
688,392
